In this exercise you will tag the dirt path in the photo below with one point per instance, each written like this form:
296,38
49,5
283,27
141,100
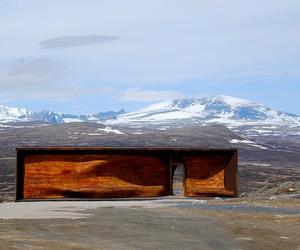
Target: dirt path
151,224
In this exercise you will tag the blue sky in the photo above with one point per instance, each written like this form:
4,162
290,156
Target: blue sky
89,56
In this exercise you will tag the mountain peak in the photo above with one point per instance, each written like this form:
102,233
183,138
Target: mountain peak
229,100
217,109
232,100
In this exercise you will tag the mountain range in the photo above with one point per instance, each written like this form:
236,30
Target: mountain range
218,109
13,114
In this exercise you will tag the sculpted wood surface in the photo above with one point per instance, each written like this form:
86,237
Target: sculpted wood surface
80,173
94,176
205,175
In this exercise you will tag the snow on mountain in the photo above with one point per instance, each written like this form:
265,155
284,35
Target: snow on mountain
218,109
12,114
227,110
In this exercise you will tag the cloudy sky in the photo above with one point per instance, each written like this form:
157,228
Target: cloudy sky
88,56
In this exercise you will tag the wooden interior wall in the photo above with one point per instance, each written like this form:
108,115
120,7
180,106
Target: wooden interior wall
94,176
205,175
80,173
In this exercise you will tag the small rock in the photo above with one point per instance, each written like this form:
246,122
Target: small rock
244,238
284,237
199,202
218,199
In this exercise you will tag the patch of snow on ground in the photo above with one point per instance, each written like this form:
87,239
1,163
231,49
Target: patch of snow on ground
162,128
111,130
24,126
72,137
234,141
173,115
251,143
262,164
69,120
137,133
261,131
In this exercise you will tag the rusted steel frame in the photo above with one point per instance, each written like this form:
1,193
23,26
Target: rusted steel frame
230,175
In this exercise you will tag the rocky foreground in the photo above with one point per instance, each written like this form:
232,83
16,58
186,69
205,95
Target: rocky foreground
265,162
168,223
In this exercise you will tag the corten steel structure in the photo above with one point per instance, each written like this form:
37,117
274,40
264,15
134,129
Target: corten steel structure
97,173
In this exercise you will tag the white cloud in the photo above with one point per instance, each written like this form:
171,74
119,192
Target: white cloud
139,95
41,78
44,67
58,92
76,41
65,92
28,73
194,40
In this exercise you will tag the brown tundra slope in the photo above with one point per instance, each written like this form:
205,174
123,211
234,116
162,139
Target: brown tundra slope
264,160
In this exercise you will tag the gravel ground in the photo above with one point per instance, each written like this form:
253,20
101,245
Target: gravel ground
169,223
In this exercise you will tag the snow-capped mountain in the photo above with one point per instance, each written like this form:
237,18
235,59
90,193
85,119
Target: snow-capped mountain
53,117
219,109
9,114
12,114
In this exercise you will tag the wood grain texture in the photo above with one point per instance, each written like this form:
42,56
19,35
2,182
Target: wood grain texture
204,176
94,176
83,173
